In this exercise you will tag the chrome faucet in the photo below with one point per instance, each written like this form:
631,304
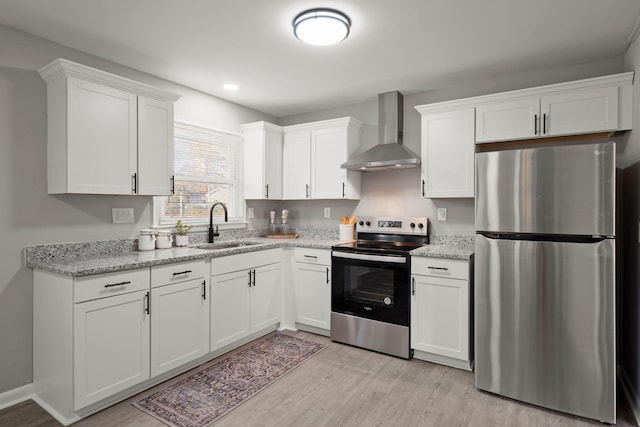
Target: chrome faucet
215,233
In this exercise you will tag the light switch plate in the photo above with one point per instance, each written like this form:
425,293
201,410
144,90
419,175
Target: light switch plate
122,215
442,214
327,212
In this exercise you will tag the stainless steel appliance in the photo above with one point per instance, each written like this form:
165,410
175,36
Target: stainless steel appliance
370,287
544,277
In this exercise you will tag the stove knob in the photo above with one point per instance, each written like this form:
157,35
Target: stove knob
420,226
368,223
412,225
361,223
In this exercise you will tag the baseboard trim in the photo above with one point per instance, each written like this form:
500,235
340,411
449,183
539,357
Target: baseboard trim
16,395
630,393
55,414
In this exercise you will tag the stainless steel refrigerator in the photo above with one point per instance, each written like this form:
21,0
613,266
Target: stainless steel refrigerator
545,277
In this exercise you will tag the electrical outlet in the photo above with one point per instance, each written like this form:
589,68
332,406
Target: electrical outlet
122,215
327,212
250,213
442,214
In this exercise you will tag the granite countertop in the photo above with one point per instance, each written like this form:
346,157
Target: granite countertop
77,266
449,251
87,258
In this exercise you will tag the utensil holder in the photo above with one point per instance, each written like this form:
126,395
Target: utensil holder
346,232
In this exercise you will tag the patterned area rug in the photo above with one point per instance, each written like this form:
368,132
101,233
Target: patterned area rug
212,392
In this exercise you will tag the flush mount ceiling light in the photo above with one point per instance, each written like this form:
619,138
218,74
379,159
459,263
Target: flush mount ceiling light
321,27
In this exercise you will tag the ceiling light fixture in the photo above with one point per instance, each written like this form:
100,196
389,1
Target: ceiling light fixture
231,86
321,27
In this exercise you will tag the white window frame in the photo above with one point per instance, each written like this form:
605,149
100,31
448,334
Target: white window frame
184,129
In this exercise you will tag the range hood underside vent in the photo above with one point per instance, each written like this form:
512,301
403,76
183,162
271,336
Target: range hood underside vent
384,156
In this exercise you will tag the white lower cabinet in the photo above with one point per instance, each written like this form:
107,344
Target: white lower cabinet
245,296
111,346
179,323
440,311
312,287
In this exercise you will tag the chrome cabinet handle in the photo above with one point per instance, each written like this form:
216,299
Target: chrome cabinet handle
110,285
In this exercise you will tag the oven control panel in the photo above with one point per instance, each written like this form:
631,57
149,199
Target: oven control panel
417,226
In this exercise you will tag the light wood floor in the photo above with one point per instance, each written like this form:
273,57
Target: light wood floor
346,386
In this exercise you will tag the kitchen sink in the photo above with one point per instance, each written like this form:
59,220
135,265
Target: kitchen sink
223,245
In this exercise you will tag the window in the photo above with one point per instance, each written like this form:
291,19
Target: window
207,167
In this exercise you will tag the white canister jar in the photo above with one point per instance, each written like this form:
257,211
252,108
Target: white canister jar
164,239
147,240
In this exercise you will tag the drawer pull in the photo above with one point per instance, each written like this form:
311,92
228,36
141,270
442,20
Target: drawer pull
111,285
438,268
182,272
310,256
147,298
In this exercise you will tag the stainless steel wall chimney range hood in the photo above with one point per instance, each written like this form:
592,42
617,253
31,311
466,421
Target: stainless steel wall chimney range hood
389,153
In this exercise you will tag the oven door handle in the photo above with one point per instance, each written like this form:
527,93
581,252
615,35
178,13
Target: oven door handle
396,259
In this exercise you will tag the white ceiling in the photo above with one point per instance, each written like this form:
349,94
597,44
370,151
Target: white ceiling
406,45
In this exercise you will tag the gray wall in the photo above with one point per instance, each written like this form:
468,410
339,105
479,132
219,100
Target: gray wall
397,192
629,333
28,215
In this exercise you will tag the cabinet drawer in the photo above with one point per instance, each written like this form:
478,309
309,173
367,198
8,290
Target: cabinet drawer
230,263
109,284
438,267
178,272
313,256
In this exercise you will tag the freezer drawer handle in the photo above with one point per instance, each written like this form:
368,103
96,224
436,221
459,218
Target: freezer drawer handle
438,268
110,285
182,272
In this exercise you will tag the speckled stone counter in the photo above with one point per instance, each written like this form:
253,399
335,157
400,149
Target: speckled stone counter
87,258
83,259
447,246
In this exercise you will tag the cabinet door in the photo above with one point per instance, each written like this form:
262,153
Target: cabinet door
328,152
180,319
448,151
155,146
296,179
273,165
508,120
580,111
313,295
111,346
440,316
230,308
102,139
265,297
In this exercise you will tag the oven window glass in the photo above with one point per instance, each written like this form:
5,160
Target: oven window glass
370,286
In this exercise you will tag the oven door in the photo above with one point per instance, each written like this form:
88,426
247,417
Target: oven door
371,286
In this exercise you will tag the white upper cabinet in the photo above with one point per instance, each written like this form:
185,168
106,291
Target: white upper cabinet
313,155
262,160
447,145
296,176
106,134
595,105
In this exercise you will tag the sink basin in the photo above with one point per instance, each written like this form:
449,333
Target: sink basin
223,245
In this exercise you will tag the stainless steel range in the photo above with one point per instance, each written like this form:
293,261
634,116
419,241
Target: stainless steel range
370,289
